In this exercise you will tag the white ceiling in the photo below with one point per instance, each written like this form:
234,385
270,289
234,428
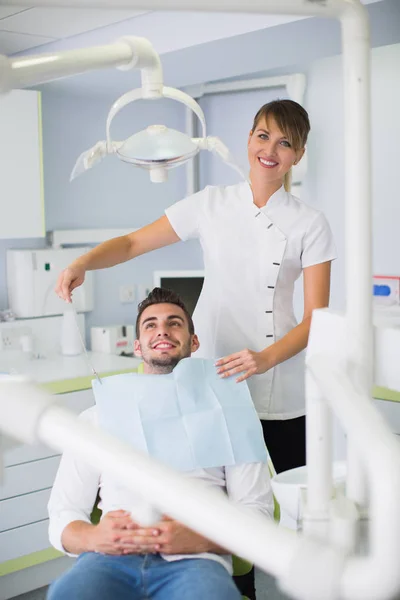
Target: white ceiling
23,28
46,29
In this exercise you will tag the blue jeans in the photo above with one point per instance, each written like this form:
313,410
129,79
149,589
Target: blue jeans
143,577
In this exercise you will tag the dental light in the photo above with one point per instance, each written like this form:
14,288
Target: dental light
157,148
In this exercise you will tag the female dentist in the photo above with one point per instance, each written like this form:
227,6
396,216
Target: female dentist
257,240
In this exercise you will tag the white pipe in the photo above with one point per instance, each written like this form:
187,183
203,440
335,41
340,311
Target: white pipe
239,85
358,210
192,166
319,461
127,53
244,532
247,534
35,69
320,8
148,61
376,577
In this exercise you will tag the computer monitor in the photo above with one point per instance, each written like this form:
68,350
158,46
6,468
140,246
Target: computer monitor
188,284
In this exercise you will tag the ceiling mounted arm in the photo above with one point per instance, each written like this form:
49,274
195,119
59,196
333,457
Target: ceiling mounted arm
127,53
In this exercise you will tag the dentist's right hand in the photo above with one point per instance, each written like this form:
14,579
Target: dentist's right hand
69,279
115,251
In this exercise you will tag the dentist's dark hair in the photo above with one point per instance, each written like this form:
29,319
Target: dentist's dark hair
163,296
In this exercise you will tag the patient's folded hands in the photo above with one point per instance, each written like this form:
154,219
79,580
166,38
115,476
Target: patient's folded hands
117,534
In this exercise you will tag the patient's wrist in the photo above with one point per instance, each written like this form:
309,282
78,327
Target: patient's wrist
79,537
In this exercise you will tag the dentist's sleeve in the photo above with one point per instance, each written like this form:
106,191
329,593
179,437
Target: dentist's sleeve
74,492
249,485
186,216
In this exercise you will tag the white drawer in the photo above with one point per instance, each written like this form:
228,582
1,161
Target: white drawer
24,540
76,401
26,453
29,477
23,510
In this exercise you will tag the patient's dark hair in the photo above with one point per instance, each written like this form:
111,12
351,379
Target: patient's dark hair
163,296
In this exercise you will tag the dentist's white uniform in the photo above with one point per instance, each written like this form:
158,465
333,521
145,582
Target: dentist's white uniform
252,258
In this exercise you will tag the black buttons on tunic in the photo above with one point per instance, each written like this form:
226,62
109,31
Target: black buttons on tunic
269,335
276,264
271,287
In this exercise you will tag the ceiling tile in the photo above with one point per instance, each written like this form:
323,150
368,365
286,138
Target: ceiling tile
64,22
6,11
10,42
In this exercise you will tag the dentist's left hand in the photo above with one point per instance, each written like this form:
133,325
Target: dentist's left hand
246,362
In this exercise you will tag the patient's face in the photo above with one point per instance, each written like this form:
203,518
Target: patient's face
164,338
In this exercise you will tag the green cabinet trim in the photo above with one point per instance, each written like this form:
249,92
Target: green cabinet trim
29,560
78,383
381,393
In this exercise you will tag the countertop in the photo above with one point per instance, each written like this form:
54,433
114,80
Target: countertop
62,374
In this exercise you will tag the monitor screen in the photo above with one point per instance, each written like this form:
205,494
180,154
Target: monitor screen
188,288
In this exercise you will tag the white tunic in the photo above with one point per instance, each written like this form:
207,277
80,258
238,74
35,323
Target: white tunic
252,258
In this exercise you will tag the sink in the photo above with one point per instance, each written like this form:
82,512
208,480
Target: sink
288,485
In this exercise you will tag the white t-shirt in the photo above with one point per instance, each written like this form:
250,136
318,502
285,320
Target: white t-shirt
252,258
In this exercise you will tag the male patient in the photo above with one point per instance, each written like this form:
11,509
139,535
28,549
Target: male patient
117,558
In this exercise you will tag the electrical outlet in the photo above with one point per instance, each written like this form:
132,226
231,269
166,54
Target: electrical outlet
127,293
143,291
11,337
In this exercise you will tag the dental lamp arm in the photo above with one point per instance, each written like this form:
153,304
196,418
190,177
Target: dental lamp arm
127,53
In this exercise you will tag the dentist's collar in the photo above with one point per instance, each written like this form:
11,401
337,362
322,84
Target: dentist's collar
273,201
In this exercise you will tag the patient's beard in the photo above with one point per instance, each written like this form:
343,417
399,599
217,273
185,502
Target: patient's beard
162,365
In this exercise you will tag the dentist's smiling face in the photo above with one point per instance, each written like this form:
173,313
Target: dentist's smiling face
270,153
164,338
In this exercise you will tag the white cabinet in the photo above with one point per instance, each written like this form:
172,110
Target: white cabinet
21,172
391,413
28,477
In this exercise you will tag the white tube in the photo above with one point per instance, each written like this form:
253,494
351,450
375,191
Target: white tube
244,85
319,461
148,61
192,166
358,210
36,69
321,8
245,533
376,577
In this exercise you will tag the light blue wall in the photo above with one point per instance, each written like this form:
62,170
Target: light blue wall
113,195
325,181
230,117
110,195
116,195
276,48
